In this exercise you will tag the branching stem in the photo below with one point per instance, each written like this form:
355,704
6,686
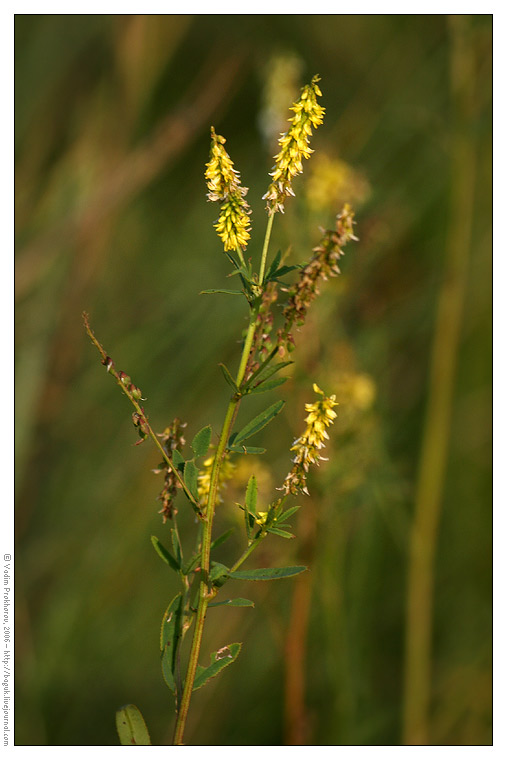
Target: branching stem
205,593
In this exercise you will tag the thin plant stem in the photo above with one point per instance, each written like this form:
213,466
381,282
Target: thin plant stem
205,594
141,413
265,248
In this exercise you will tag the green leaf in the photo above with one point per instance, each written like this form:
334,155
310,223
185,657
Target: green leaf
131,727
285,270
261,375
228,377
190,474
201,441
233,603
258,422
175,540
262,387
269,371
219,660
267,573
273,266
218,574
178,458
251,495
191,564
280,532
220,290
246,449
220,540
164,554
288,513
170,634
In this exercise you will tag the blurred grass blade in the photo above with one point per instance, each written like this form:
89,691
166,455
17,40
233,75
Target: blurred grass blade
219,660
131,727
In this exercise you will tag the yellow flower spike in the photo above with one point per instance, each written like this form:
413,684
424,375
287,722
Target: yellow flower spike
223,183
307,446
294,146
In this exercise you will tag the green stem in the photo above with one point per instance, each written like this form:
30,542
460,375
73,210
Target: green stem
265,248
248,551
205,594
240,255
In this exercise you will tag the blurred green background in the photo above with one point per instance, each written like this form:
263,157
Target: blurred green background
112,134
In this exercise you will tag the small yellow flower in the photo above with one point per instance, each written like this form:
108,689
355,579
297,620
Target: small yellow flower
294,146
307,446
232,224
204,478
223,183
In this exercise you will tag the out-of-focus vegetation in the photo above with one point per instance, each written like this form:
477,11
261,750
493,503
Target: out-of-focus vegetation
112,134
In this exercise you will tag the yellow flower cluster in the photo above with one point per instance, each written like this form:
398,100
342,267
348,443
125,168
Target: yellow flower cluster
294,146
307,446
204,477
223,182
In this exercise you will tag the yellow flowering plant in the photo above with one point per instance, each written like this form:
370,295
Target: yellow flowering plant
200,471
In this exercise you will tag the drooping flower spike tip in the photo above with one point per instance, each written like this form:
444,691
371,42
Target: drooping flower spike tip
307,447
294,146
223,183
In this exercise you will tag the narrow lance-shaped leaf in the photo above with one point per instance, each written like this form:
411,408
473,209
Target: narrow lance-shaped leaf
178,551
264,374
201,441
273,266
251,495
164,554
131,727
267,573
221,539
263,387
190,475
288,513
279,532
170,634
228,377
221,290
241,449
219,660
238,602
259,422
